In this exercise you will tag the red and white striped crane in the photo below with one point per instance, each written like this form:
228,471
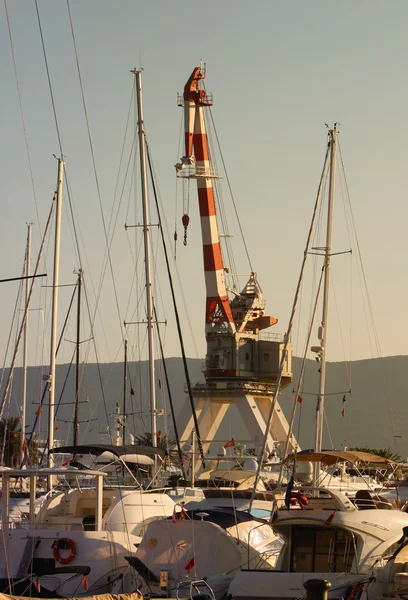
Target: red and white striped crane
196,145
242,367
230,324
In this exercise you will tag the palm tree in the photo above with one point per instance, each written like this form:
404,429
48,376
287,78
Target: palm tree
163,442
383,452
10,441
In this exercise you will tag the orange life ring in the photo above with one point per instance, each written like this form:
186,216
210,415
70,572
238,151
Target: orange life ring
64,544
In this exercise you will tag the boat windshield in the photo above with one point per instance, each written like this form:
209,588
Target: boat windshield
321,550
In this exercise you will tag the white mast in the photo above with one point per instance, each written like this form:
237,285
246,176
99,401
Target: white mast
323,329
54,316
146,224
23,410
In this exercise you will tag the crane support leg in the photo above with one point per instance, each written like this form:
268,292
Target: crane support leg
253,410
251,414
280,425
185,419
210,422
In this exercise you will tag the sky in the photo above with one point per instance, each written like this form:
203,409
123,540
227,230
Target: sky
279,71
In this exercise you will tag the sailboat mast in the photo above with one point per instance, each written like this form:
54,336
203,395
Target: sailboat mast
327,256
124,395
146,237
53,355
78,344
25,341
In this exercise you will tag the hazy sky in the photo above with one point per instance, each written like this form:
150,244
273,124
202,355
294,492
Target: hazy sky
278,71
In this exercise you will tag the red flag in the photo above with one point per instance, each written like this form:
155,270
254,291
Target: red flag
58,428
343,413
230,444
158,435
330,518
65,464
36,584
190,564
38,412
299,399
85,583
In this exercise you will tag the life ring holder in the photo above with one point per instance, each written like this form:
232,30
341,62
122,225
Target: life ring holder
64,544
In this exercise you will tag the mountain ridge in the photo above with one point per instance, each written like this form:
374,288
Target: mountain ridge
375,411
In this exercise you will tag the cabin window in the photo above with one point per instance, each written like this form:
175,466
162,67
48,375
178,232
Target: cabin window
321,550
266,356
247,356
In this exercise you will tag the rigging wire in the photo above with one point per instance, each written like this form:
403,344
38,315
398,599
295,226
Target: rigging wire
22,118
95,171
173,415
232,195
370,306
13,322
176,313
223,217
175,266
300,380
68,188
288,332
46,385
23,321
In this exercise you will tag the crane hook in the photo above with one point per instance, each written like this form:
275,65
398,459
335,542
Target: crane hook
185,220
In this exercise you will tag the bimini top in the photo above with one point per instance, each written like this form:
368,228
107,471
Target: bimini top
98,449
330,457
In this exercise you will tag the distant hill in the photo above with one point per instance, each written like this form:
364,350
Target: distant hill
376,413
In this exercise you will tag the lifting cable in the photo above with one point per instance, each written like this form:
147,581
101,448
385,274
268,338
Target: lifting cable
180,334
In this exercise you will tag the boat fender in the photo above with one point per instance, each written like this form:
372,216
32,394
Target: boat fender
64,544
299,498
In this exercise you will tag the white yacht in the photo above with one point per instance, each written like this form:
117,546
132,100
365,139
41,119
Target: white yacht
326,536
211,544
76,543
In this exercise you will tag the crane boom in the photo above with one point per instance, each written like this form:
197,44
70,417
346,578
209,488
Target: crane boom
218,309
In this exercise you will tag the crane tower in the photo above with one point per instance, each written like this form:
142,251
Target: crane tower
242,361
